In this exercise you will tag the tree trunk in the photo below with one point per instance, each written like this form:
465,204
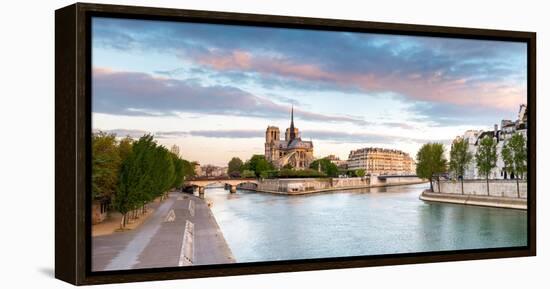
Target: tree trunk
487,178
122,222
462,184
517,184
438,185
431,186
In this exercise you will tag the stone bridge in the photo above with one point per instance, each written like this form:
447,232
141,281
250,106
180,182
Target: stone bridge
232,183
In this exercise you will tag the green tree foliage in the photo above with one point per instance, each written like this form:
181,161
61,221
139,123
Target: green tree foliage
179,171
258,164
307,173
355,173
133,173
327,167
360,173
125,147
135,181
430,160
486,157
460,159
248,174
188,169
147,172
351,173
105,165
234,167
514,155
163,173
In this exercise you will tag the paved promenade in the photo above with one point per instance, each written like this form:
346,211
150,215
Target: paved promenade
181,232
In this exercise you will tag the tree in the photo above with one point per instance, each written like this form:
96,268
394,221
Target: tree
234,167
326,165
486,157
124,147
183,170
351,173
430,160
105,165
146,173
514,155
360,173
460,159
258,164
179,171
305,173
175,150
162,173
188,169
248,174
134,178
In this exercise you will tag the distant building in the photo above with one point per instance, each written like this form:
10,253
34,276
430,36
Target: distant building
342,164
292,151
381,161
502,135
198,170
212,171
219,172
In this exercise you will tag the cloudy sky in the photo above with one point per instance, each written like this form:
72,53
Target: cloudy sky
213,89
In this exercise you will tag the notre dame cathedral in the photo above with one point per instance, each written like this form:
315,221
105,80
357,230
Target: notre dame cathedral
290,151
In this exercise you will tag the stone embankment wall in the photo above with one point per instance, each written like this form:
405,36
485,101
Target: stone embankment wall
248,186
308,185
401,180
294,185
350,182
497,188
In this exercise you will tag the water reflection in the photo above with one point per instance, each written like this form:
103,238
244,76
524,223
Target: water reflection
265,227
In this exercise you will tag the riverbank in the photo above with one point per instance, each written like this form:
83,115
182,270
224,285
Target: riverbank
331,189
182,231
475,200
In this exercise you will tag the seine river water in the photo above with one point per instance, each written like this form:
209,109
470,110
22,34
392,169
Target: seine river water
267,227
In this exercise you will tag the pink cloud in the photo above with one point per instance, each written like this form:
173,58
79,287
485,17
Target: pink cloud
237,59
432,87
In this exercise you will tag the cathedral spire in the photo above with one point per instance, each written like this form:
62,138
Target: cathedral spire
292,131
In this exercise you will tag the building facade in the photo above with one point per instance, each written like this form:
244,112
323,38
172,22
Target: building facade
501,135
292,151
341,164
198,170
381,161
212,171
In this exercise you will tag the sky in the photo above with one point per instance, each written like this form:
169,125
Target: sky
213,89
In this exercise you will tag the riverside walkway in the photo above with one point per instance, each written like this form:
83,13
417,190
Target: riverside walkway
182,231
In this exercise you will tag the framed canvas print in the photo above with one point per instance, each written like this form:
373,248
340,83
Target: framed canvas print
197,143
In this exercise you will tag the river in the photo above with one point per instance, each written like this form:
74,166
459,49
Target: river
268,227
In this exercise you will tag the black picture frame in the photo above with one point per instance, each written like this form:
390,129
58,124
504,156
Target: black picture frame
73,130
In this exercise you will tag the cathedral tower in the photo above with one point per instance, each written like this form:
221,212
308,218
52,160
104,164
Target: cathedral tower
272,137
291,133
